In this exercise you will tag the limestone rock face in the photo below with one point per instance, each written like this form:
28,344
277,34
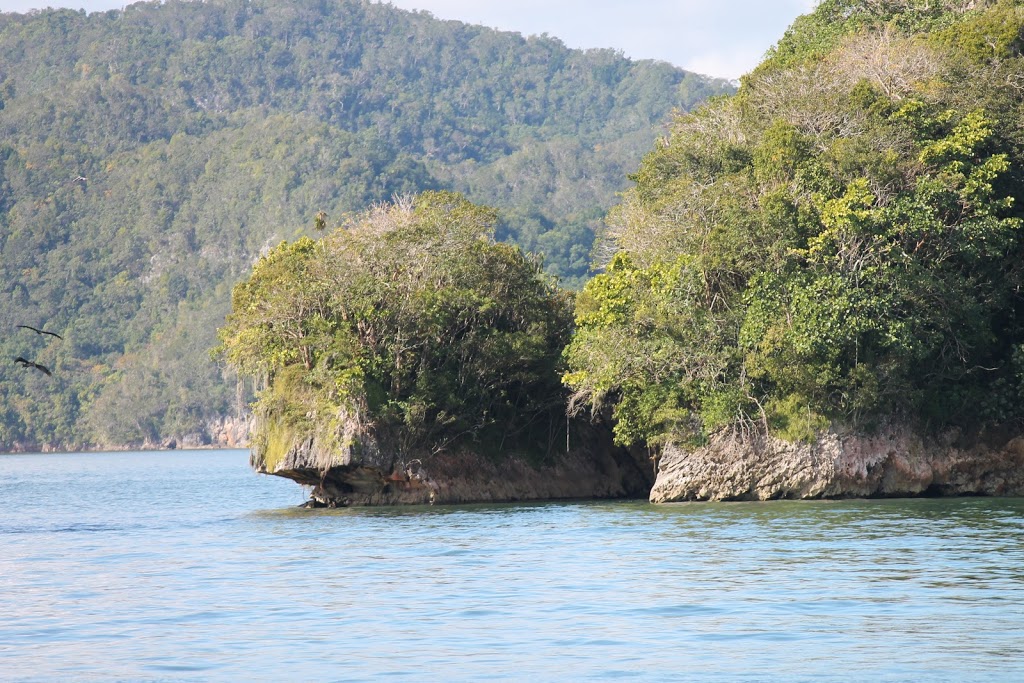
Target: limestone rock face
370,473
230,432
894,461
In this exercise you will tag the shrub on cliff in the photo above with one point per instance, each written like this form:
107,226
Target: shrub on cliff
409,319
839,241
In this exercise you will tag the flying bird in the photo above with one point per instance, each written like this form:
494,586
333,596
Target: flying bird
52,334
30,364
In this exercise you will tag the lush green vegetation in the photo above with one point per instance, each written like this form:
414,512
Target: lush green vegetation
148,156
412,319
838,243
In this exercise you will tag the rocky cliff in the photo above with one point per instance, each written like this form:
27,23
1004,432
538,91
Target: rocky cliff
367,471
894,461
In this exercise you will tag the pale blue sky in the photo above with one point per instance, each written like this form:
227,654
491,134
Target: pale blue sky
716,37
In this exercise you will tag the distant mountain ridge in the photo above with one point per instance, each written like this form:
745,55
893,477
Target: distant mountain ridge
148,155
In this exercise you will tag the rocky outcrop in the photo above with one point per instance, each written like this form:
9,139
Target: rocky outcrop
365,472
230,432
893,461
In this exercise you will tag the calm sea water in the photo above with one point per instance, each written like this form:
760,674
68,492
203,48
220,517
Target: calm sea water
186,566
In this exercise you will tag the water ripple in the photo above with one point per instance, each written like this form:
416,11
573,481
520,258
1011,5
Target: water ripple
186,566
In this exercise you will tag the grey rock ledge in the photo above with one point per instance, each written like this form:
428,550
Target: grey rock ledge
893,461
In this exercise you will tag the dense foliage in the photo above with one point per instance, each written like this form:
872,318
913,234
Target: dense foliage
410,319
148,156
837,243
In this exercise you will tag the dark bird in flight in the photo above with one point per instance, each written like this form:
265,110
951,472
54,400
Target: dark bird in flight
52,334
29,364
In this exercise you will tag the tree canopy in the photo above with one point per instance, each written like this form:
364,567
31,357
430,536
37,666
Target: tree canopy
410,320
838,243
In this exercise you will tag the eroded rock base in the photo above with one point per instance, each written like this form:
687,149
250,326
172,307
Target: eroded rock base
377,475
894,461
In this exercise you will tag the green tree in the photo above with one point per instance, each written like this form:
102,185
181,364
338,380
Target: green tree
837,243
410,318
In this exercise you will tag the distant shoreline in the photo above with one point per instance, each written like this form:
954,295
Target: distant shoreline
100,451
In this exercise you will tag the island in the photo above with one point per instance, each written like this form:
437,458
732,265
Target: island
814,288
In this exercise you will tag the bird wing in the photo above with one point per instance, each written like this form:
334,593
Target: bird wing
52,334
21,360
43,368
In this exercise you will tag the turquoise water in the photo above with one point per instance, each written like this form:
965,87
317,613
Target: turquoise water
186,566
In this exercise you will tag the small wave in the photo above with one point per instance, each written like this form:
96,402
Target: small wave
81,527
678,610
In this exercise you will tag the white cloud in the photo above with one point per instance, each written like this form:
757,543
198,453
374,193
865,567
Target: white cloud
730,65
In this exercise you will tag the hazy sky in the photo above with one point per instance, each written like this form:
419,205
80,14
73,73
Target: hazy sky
716,37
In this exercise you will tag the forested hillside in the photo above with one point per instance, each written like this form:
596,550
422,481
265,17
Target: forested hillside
148,156
838,244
